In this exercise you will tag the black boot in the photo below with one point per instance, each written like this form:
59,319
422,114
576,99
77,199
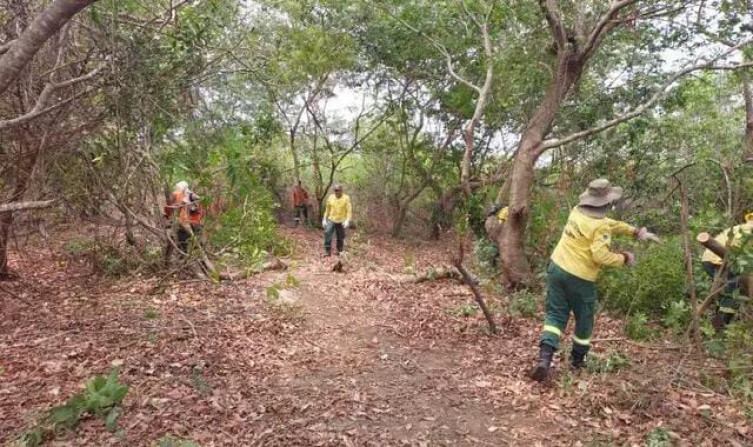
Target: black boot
578,356
541,372
720,320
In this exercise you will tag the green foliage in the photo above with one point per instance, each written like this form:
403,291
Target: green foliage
613,362
292,282
525,303
649,287
169,441
486,254
151,314
101,398
637,327
676,316
465,310
659,437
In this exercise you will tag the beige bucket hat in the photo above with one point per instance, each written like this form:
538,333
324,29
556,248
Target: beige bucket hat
600,193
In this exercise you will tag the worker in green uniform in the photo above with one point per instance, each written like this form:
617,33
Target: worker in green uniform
582,251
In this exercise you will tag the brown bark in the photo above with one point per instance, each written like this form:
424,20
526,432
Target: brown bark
22,206
515,266
23,49
27,161
748,95
573,53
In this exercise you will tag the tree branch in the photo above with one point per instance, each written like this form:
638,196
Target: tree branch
21,206
606,24
659,95
22,50
39,108
552,14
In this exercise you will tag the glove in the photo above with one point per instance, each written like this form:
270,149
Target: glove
346,224
629,258
644,235
324,223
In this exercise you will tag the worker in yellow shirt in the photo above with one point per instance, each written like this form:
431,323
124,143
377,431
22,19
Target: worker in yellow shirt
728,305
337,216
582,251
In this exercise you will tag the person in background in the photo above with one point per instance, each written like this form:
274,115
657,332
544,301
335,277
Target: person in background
727,305
337,215
582,251
301,203
495,218
190,214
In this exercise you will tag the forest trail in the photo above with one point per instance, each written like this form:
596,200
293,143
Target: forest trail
350,359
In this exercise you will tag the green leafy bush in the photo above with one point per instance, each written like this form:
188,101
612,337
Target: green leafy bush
611,363
659,437
637,327
101,398
656,281
524,303
676,315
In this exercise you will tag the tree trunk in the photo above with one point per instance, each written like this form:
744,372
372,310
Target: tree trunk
748,95
22,50
397,226
514,262
26,163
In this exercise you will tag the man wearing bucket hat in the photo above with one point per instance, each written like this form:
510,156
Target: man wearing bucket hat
728,305
582,251
337,216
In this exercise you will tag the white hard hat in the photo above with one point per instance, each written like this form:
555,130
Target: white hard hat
181,185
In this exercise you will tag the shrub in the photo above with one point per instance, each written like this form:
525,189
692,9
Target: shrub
676,315
611,363
659,437
656,281
524,303
637,327
101,398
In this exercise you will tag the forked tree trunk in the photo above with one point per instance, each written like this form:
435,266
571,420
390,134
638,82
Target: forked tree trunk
511,241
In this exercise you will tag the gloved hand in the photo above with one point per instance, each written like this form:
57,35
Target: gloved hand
324,223
346,224
644,235
629,258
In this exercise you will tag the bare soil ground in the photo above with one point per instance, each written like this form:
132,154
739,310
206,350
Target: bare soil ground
347,359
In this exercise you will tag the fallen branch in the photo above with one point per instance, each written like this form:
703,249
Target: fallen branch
21,206
476,294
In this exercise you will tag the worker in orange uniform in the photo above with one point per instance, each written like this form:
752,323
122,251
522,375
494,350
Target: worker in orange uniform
190,214
301,203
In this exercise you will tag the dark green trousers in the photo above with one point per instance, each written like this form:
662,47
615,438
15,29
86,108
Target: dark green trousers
567,293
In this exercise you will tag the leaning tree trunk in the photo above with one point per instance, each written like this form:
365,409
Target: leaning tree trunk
22,50
511,241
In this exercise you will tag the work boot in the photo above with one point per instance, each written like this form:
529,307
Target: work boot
578,357
541,372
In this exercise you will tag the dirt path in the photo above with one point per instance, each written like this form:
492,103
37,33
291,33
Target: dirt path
352,359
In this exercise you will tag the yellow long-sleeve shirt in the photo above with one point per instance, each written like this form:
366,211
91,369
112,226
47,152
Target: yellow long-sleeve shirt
584,246
338,210
737,234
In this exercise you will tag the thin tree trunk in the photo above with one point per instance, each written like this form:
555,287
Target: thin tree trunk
748,95
28,159
397,226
